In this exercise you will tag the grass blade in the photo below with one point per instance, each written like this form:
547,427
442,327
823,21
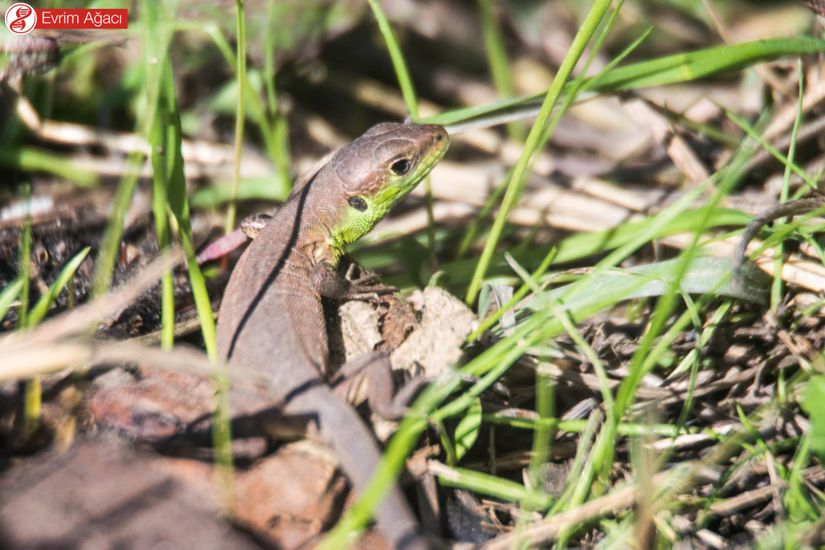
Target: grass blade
405,82
240,113
518,177
41,308
661,71
9,295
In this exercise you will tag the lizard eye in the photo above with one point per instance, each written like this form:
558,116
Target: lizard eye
358,203
401,167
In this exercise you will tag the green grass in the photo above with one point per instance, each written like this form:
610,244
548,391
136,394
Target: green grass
684,275
661,71
517,179
405,83
165,137
31,389
240,113
499,63
776,287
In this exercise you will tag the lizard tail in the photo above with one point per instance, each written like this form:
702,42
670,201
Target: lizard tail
343,429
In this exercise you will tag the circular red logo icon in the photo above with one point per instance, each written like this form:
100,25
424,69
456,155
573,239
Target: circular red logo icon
21,18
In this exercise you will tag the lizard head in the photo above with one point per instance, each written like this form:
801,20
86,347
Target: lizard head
379,169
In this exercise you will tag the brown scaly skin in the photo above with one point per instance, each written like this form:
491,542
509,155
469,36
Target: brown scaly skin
271,318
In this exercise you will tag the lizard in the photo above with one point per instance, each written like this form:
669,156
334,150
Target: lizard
271,316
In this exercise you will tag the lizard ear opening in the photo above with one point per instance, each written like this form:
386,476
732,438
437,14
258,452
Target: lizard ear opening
358,203
401,167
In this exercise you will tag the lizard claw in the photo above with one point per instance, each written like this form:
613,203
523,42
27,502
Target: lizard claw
365,285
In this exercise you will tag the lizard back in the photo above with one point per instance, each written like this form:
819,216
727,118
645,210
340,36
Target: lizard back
272,314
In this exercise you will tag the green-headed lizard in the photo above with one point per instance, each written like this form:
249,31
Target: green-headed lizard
272,319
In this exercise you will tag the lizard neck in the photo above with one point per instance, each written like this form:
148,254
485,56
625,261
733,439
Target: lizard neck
323,250
361,183
319,208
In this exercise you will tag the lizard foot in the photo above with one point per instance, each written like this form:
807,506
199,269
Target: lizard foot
365,285
354,284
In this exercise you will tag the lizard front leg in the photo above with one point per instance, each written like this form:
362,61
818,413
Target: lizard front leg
355,284
369,376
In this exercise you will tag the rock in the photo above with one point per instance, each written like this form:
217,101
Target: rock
435,345
102,493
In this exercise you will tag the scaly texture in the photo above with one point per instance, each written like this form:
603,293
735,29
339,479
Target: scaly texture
271,317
